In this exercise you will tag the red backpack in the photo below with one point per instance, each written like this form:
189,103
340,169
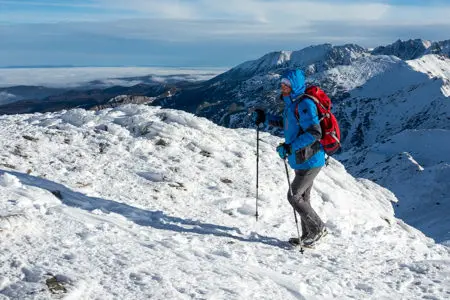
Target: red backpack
331,134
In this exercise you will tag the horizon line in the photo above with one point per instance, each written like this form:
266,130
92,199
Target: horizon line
110,66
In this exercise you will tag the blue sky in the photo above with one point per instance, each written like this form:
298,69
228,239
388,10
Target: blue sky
202,32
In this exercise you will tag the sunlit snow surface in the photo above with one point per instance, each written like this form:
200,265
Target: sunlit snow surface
142,203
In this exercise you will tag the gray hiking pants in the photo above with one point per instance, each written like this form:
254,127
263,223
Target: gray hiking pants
300,200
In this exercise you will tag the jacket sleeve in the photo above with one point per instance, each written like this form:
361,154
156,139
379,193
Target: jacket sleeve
310,130
275,121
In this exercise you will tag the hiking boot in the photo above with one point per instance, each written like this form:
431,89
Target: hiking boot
295,241
304,235
312,239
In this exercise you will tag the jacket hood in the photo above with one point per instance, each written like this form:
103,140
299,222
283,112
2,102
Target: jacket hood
297,79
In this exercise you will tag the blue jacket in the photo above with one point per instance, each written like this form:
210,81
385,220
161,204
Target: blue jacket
302,133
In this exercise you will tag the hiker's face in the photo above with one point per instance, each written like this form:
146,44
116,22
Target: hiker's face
285,89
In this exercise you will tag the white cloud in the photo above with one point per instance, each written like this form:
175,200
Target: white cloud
145,31
418,15
287,13
177,20
6,98
284,12
284,16
74,77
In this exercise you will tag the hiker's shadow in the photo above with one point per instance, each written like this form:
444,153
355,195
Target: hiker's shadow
155,219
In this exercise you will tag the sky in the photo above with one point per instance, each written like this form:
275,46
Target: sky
199,33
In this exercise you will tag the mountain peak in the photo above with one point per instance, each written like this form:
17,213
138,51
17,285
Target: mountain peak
412,49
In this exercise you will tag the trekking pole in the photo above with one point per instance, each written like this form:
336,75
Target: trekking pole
257,170
292,195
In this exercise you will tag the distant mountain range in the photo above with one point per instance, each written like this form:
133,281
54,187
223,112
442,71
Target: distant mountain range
225,92
97,93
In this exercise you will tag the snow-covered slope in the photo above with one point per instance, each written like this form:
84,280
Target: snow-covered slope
138,202
342,79
435,67
396,129
402,97
415,165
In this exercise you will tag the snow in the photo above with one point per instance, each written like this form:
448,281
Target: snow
349,77
382,101
413,49
397,123
284,57
139,202
109,76
400,96
436,67
312,59
427,44
413,166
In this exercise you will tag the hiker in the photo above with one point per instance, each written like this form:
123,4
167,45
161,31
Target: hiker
302,149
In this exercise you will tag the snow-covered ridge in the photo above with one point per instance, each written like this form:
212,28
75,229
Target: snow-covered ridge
413,49
145,203
312,59
405,50
320,58
124,99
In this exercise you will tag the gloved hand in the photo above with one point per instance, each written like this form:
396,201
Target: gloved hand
284,150
258,116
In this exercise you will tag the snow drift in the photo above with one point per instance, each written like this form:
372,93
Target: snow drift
145,203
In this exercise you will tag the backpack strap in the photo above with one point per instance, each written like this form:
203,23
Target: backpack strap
297,102
316,101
